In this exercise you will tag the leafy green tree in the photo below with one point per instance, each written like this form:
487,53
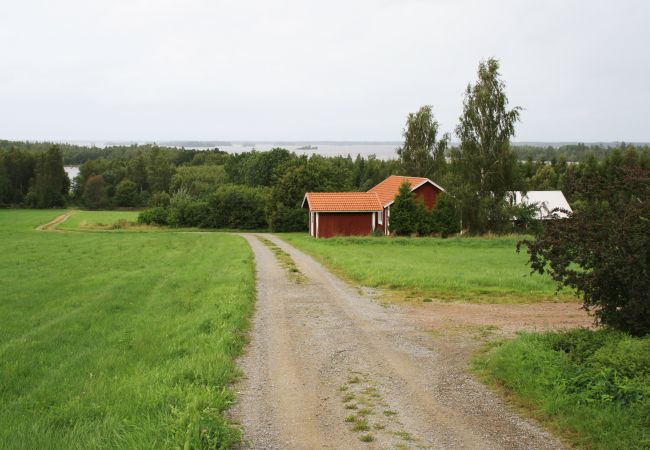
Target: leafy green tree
545,178
126,193
423,154
260,169
137,172
160,199
484,164
95,195
198,180
317,173
603,253
159,171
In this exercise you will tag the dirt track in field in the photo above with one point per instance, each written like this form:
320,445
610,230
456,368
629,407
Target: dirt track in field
330,367
51,225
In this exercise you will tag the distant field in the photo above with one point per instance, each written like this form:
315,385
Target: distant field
473,269
97,219
118,340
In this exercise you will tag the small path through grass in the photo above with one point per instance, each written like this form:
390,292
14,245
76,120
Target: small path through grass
329,367
51,225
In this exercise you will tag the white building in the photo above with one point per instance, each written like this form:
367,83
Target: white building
546,202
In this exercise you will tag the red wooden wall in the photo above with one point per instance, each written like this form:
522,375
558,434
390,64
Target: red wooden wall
428,194
344,224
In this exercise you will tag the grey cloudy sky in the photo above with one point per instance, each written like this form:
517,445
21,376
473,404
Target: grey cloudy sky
315,70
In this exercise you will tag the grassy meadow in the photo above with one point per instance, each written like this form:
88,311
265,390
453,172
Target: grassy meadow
484,269
118,339
591,386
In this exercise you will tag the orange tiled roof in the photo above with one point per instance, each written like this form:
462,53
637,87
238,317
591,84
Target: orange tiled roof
343,201
387,190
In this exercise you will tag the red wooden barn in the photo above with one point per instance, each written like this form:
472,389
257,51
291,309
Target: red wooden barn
360,213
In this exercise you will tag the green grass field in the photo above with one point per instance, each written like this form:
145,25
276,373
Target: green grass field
118,340
591,386
90,220
473,269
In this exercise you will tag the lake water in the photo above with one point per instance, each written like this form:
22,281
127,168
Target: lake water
382,150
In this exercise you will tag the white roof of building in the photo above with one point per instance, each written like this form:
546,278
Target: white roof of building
546,201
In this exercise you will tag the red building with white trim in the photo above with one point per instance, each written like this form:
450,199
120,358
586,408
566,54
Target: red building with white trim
361,213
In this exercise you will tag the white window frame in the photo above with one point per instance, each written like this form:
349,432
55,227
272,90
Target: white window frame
380,217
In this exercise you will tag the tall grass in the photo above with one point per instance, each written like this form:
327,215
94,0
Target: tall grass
119,340
593,386
474,269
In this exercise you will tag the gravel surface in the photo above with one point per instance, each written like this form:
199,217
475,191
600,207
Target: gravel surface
330,367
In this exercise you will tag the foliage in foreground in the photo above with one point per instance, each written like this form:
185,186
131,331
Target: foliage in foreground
119,340
594,386
603,253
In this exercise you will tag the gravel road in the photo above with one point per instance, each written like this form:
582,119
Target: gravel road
329,367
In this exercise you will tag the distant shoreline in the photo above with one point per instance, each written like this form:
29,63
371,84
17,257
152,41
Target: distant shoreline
200,144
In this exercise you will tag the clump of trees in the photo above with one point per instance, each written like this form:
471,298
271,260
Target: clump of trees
33,180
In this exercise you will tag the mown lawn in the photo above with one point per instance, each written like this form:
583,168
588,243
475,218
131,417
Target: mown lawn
591,386
472,269
118,340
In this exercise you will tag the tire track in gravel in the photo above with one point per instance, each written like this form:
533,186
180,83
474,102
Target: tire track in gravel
328,367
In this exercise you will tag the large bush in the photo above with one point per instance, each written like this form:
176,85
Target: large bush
603,252
154,216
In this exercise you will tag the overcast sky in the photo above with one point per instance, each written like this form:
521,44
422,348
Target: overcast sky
316,70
